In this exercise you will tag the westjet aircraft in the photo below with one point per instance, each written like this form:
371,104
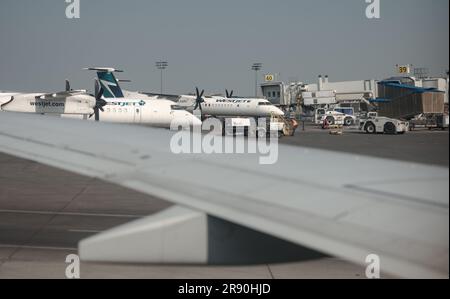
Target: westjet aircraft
72,102
208,105
129,108
224,106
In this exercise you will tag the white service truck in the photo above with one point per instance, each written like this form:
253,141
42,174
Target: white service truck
372,124
335,117
248,127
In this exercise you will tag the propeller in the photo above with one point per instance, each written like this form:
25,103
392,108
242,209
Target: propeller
199,100
68,85
229,94
99,102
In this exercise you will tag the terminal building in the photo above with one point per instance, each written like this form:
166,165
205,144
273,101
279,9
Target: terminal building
305,98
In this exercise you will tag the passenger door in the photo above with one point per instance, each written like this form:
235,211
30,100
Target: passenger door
137,115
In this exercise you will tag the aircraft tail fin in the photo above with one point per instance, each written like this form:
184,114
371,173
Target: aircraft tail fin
109,83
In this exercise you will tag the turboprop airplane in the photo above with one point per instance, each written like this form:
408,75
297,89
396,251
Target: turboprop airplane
208,105
220,106
129,108
71,102
234,211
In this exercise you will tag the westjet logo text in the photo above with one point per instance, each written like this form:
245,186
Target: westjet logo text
46,104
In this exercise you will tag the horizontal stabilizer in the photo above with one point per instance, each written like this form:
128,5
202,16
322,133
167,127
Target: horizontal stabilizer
103,69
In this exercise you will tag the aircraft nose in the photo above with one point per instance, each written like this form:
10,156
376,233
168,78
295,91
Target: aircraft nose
195,120
186,118
277,111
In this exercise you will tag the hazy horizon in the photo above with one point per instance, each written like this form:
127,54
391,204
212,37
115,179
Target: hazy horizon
212,44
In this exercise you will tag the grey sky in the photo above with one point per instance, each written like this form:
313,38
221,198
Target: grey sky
212,43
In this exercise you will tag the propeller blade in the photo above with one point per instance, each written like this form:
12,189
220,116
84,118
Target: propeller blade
101,103
199,100
96,87
99,95
97,114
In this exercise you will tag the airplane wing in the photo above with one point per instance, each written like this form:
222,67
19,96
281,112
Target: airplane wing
344,205
59,95
169,97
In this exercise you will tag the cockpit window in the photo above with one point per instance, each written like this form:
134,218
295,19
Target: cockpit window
264,104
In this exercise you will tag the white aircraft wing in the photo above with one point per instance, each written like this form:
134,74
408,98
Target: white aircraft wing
60,94
340,204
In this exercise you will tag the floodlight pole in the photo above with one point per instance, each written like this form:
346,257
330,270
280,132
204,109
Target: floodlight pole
161,65
256,67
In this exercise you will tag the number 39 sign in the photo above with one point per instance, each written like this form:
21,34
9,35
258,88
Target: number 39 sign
403,69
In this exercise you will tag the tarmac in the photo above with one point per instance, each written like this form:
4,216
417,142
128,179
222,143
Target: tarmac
44,212
421,146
